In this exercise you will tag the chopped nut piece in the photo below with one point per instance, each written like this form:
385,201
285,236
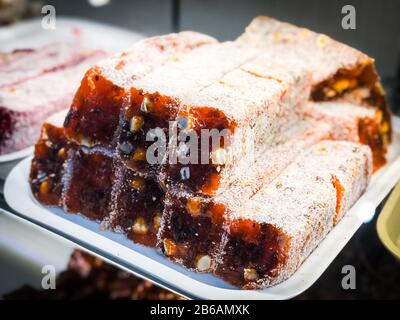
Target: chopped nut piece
61,153
147,105
136,123
86,142
203,262
157,221
218,156
139,154
169,247
323,150
140,226
250,274
329,93
137,183
45,187
385,127
193,205
344,84
322,40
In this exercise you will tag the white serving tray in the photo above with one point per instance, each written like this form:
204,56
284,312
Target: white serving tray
149,264
30,34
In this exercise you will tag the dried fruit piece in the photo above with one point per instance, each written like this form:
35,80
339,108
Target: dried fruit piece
169,247
137,183
194,206
139,154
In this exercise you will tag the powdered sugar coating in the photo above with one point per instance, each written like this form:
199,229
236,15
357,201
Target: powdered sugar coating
343,117
28,103
289,44
302,201
146,55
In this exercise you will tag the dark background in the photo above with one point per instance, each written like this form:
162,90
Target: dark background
377,32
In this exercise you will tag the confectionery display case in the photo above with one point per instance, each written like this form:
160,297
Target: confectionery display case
299,199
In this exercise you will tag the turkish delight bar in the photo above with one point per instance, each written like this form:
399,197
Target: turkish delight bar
133,152
89,278
87,183
137,205
89,173
21,65
338,71
104,91
274,97
249,203
353,122
47,167
254,109
192,224
269,238
25,106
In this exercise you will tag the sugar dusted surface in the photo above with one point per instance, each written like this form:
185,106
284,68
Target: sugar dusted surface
343,117
187,76
30,102
289,44
302,201
251,174
32,64
124,68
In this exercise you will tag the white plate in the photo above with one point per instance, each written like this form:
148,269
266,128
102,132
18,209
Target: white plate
150,264
30,34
